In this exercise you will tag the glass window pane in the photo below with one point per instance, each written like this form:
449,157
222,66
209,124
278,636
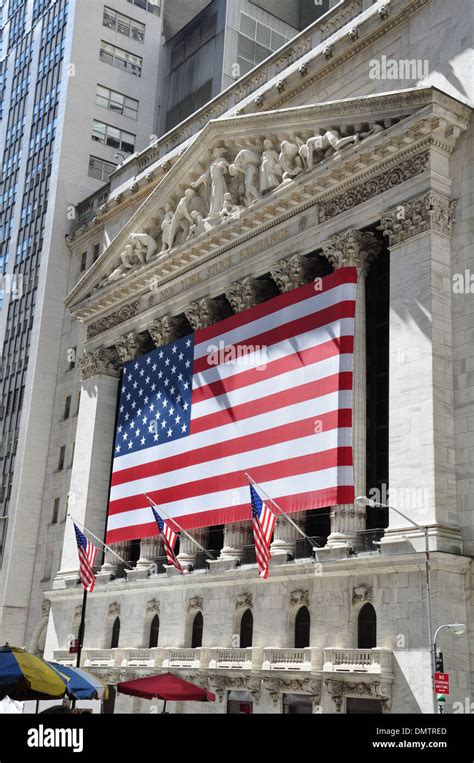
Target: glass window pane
113,137
98,131
109,18
123,26
128,142
137,31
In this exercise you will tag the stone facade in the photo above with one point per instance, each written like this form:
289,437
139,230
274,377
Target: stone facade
384,174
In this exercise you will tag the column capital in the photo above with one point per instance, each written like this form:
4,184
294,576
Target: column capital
164,330
129,346
351,248
204,312
291,273
105,360
429,212
247,293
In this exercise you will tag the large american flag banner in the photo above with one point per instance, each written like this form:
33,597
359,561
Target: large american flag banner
268,391
87,553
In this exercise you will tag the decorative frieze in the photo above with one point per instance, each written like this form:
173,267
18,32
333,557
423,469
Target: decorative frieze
114,609
103,361
342,202
429,212
279,686
152,607
299,598
114,319
364,689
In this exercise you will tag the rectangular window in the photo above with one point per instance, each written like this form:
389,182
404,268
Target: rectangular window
71,356
117,102
67,407
96,253
62,454
55,511
125,25
120,58
83,262
101,170
113,136
152,6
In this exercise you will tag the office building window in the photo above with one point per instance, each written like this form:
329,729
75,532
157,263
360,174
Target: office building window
122,59
118,22
152,6
71,357
117,102
113,136
83,261
62,454
67,407
55,511
96,252
256,42
100,169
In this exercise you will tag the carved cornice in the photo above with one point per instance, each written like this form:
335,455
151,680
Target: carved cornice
352,248
102,361
278,686
429,212
366,689
114,319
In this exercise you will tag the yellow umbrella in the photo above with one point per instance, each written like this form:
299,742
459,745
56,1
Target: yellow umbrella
24,676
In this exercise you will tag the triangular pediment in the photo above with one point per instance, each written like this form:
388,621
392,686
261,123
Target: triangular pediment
241,172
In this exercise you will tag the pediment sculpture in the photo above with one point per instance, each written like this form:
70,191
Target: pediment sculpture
229,185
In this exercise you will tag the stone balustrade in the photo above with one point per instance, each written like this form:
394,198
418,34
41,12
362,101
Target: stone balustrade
305,659
377,660
186,658
142,658
101,658
249,658
65,657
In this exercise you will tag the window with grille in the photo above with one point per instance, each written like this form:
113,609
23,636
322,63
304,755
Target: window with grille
256,41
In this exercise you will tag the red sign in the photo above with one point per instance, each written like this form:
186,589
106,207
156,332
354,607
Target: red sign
441,681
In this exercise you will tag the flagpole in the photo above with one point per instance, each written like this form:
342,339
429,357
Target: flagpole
104,545
162,511
82,627
283,513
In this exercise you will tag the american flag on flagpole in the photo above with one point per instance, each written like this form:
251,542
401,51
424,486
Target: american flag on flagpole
87,554
267,390
169,539
263,523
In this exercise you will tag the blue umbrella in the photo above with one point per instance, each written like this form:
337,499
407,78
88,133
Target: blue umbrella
80,683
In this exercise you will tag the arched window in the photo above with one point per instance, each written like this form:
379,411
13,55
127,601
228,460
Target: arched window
367,628
115,633
302,623
154,631
246,629
196,638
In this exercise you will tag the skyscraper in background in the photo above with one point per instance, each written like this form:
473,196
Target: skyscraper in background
84,85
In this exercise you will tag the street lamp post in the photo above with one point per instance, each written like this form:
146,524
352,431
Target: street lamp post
458,629
365,501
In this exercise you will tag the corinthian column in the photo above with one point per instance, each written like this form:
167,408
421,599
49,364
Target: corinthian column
354,248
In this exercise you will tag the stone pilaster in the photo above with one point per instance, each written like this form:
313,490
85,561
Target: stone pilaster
421,436
88,495
354,248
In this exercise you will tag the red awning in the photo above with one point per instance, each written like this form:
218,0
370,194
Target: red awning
165,686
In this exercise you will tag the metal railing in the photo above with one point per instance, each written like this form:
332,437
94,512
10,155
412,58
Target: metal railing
304,546
365,540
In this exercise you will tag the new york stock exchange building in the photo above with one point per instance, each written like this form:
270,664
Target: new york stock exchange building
309,165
